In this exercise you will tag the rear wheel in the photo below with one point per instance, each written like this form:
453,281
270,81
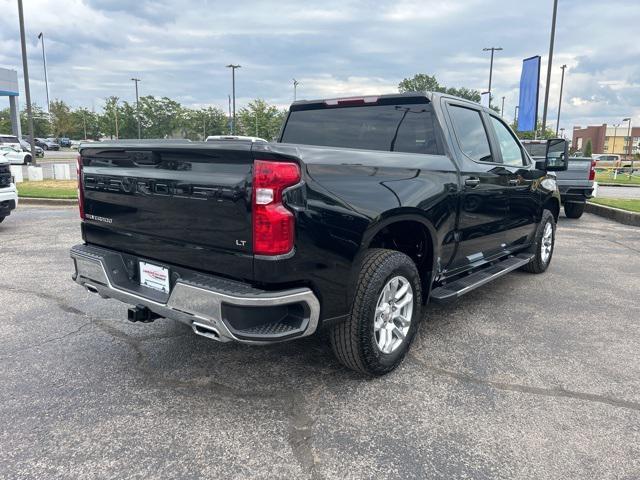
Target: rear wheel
384,316
543,244
27,160
574,210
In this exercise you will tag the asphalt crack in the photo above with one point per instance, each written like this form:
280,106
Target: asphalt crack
557,392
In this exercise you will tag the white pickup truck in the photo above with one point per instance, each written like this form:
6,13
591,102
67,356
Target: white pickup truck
8,192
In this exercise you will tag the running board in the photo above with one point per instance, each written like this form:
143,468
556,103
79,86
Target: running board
452,291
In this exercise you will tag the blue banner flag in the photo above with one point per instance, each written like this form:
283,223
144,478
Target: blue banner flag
529,91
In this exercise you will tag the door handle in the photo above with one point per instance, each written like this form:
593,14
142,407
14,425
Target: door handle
472,182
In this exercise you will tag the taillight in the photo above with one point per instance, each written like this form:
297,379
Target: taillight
592,172
80,187
273,224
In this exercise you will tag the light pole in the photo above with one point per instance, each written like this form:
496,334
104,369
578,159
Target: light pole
615,134
549,64
502,111
233,92
630,143
492,50
27,90
295,89
560,102
46,81
136,80
562,132
515,115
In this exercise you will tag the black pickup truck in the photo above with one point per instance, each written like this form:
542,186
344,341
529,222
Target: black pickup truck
364,210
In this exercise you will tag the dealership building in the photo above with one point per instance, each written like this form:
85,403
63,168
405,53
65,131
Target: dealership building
607,138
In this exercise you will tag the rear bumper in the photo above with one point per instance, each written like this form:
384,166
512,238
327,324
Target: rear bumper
575,194
214,307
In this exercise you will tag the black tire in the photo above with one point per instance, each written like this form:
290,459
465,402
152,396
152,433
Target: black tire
2,219
354,341
27,160
44,147
574,210
538,264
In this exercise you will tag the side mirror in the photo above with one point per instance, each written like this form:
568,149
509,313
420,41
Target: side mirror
557,156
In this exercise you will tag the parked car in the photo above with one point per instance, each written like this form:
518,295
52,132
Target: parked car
26,147
365,209
8,192
47,144
64,142
576,184
9,141
15,156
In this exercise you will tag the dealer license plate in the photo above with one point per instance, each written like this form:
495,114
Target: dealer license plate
154,276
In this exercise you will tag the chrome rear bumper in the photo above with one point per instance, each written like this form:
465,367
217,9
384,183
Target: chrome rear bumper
214,307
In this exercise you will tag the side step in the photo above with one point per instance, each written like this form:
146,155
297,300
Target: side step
451,291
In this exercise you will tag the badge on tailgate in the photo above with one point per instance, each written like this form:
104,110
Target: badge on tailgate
154,276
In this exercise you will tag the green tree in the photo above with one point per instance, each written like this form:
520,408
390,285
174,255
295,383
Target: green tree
85,124
109,117
61,119
160,117
259,119
41,124
423,83
588,149
538,134
198,124
5,120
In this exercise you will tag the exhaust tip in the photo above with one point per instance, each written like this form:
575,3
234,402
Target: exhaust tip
91,288
205,331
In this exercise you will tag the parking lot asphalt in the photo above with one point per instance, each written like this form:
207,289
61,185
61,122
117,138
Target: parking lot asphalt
531,376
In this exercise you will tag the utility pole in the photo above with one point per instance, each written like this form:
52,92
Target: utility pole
615,134
295,89
549,64
502,111
492,50
27,90
630,143
84,123
46,81
256,123
115,107
560,103
562,132
230,120
233,92
136,80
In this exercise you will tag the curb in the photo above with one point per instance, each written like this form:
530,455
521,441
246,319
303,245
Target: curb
49,202
615,214
617,185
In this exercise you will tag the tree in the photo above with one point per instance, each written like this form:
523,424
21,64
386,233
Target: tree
538,134
423,83
41,124
588,149
5,120
259,119
160,117
107,121
198,124
61,119
85,124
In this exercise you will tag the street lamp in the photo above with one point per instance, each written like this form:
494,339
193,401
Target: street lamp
560,103
502,110
46,81
492,50
27,90
233,92
630,142
136,80
295,89
551,42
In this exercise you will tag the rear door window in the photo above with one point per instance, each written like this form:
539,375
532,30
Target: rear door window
471,134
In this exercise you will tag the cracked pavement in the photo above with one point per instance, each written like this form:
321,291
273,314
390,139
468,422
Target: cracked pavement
528,377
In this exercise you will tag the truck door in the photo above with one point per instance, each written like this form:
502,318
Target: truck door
483,219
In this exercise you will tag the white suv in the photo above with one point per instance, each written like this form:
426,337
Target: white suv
8,192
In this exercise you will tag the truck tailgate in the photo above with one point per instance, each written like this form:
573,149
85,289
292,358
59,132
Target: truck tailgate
577,173
186,204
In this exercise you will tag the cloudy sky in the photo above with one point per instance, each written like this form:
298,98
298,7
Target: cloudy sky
332,47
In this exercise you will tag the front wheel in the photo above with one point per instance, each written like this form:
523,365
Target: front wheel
574,210
27,160
543,244
384,315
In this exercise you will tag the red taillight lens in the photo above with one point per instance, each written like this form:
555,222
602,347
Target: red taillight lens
592,172
80,187
273,224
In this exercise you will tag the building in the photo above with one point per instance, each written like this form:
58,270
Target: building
607,139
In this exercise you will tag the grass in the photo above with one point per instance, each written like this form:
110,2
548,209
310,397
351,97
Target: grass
49,189
623,178
632,205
